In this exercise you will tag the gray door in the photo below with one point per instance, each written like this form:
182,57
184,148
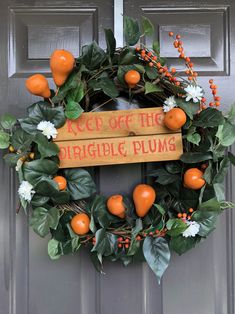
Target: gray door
201,281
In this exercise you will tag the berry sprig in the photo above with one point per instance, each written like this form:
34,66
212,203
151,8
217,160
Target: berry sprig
216,98
185,216
178,44
152,60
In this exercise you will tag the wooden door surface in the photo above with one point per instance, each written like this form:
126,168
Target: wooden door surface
199,282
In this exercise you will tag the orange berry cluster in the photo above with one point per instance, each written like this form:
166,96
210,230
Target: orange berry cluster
152,61
216,98
123,242
185,215
178,44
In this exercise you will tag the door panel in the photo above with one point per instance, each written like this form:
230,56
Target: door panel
202,279
199,282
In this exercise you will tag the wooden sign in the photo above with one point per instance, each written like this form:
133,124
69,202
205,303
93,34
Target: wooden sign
117,137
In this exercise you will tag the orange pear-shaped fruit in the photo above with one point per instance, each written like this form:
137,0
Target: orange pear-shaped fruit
61,63
144,196
115,205
37,85
193,179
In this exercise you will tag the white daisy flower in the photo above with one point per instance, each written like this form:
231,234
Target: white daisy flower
26,191
19,164
192,230
48,129
169,104
194,92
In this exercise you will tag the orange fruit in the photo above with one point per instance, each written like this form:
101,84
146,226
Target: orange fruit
144,196
132,77
115,205
37,85
61,181
61,63
80,223
175,119
193,179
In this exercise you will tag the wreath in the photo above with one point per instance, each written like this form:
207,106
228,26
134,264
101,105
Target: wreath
182,200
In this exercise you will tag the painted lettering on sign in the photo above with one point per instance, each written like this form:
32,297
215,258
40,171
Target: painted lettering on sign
117,137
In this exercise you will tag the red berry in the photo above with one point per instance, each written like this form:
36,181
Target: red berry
179,215
171,34
119,245
178,36
126,246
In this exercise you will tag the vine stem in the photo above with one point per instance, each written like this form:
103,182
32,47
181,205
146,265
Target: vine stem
104,103
227,205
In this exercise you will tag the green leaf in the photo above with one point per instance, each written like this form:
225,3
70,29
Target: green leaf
231,158
99,210
209,117
73,110
21,140
7,121
175,227
127,56
147,26
36,170
211,205
48,187
189,107
138,227
11,159
53,249
92,56
77,93
226,134
173,167
110,42
156,47
223,169
160,209
45,148
207,221
106,85
219,189
152,73
105,242
4,140
42,220
181,244
192,158
42,111
96,259
39,200
79,183
194,138
231,114
157,254
73,82
134,247
131,31
75,244
163,177
152,88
